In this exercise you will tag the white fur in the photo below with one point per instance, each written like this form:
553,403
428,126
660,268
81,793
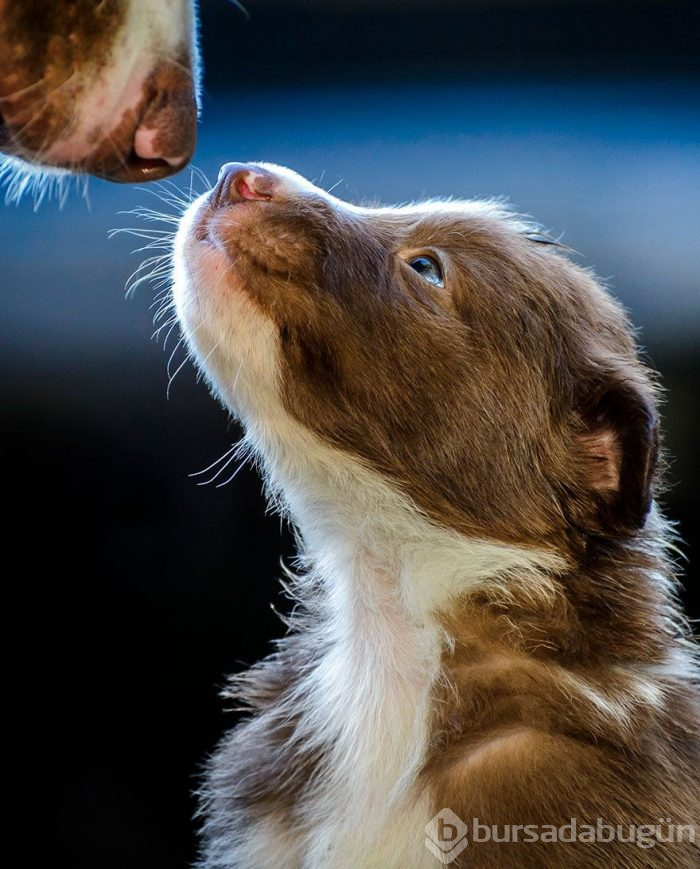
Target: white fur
384,568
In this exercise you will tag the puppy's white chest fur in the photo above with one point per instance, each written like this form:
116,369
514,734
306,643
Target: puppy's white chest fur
369,704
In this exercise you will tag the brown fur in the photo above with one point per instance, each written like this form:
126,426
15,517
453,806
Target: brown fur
509,406
523,330
511,668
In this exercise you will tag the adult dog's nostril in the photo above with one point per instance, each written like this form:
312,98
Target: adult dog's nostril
174,153
241,181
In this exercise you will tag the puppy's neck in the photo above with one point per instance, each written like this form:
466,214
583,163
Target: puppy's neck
362,538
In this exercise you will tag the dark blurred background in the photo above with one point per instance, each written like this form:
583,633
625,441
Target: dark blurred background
136,590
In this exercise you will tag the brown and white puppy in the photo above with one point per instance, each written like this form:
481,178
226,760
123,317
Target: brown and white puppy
455,418
105,87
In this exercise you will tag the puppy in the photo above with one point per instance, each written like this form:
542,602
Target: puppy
455,418
106,88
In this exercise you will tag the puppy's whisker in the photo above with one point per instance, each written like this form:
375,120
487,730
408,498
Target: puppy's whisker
215,462
333,186
237,451
163,303
171,377
177,193
150,214
220,471
202,176
233,475
163,195
180,343
157,332
162,235
151,268
173,325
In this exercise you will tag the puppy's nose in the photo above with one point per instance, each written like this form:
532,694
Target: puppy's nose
240,181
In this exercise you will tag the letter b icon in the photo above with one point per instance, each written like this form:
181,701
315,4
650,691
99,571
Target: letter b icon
446,836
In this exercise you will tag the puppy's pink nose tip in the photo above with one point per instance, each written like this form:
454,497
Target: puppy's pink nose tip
240,181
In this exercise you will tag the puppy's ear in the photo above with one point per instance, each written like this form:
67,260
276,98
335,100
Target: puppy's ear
616,454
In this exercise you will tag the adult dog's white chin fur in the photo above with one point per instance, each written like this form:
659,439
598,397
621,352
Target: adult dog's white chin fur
40,183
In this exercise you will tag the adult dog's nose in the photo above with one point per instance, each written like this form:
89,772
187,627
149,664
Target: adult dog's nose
164,138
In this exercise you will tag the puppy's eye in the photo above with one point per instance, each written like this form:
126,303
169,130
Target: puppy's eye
429,269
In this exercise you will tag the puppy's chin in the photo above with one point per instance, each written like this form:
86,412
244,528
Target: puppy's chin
232,341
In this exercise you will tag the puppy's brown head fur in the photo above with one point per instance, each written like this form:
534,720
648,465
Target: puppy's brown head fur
508,403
